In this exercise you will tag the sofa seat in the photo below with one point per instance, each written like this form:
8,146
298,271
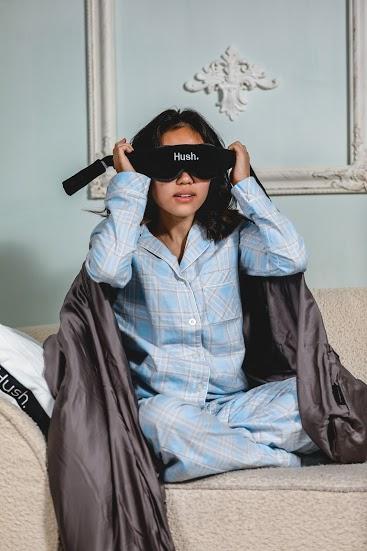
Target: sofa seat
314,508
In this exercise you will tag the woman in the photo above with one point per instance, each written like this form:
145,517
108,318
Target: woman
175,263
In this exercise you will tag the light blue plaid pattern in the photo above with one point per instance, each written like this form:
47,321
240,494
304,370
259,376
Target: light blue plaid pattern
257,428
182,322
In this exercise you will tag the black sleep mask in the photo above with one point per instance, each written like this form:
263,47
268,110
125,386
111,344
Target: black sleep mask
202,160
166,162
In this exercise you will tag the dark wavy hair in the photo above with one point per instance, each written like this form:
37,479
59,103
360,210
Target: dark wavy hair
218,214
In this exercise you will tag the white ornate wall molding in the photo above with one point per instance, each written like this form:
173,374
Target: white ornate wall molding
232,77
353,177
102,110
101,87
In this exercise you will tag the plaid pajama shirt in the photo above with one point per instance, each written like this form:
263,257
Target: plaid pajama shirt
181,325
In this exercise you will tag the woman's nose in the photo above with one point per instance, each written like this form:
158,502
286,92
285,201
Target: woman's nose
185,177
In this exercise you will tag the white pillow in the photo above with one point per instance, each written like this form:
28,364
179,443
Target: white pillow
21,374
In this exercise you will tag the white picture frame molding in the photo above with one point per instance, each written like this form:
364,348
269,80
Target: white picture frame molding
102,110
101,88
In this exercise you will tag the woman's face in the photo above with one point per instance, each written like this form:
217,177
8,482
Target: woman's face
163,192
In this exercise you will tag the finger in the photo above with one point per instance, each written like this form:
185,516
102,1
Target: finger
125,147
123,140
234,145
241,147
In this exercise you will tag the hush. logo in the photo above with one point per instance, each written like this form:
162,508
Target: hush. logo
25,399
185,156
11,386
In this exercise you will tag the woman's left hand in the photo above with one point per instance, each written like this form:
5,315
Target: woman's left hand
241,169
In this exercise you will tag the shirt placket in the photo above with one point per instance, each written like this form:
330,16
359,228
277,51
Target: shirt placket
200,363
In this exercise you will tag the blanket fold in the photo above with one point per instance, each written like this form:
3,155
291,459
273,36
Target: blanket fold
104,480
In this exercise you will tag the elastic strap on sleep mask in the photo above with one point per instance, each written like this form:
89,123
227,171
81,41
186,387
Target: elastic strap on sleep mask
166,162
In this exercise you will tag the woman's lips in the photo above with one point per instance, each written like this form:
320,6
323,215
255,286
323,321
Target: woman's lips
183,199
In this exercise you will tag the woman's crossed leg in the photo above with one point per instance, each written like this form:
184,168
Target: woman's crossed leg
238,431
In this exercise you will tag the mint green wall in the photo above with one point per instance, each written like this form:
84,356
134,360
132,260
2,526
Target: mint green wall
44,233
302,122
301,43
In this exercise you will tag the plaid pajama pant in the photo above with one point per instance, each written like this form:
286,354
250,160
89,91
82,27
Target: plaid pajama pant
260,427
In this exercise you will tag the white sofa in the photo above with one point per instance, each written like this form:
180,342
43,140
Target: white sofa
321,507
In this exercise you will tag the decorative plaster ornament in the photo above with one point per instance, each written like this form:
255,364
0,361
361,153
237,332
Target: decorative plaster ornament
233,78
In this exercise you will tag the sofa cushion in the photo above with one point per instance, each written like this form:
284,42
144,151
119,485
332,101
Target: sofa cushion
27,512
344,312
271,509
40,332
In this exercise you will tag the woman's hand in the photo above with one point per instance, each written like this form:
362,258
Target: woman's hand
241,169
120,161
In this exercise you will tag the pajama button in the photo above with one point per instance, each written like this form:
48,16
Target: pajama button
192,321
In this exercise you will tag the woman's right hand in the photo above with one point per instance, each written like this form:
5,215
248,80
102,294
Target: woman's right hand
120,161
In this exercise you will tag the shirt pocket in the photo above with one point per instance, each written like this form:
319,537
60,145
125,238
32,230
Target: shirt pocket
221,296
